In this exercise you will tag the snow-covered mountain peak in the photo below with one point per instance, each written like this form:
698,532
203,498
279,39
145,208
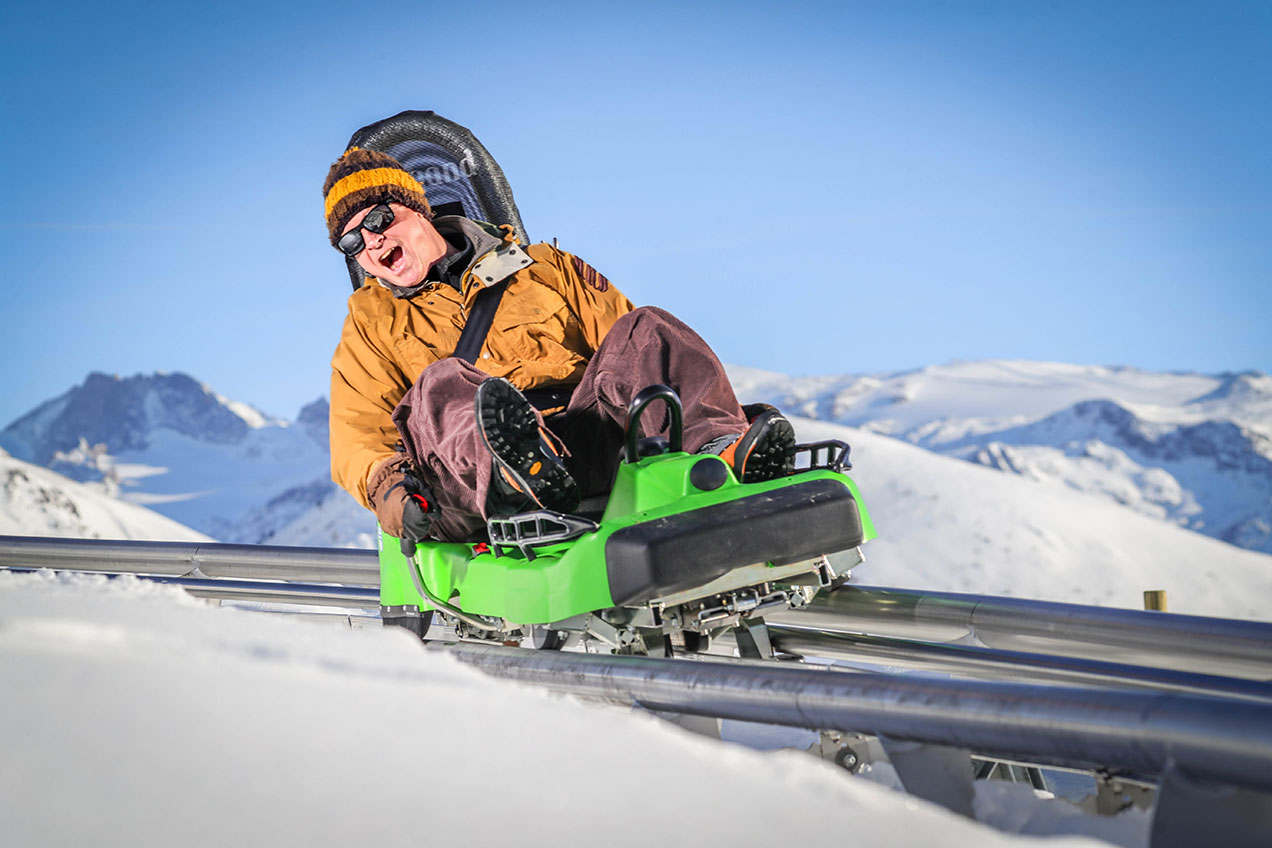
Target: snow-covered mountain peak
168,441
124,413
1244,385
1194,449
252,417
980,396
1244,397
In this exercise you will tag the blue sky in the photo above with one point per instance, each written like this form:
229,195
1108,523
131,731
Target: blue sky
817,188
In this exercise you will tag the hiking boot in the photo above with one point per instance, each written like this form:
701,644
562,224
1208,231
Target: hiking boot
526,460
765,451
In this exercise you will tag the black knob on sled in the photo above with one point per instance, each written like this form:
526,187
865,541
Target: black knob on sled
631,429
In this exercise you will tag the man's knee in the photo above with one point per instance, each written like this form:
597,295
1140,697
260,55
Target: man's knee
646,315
452,368
448,377
649,323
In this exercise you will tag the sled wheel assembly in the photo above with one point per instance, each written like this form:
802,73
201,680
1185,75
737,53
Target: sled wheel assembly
547,639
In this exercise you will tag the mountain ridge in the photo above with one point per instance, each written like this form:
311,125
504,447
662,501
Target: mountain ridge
1189,448
120,412
1186,449
171,443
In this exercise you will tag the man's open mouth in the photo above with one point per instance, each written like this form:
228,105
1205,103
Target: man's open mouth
391,258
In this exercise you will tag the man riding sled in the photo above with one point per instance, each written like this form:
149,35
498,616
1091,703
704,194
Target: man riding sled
532,418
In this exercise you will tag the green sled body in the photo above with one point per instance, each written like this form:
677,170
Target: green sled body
675,526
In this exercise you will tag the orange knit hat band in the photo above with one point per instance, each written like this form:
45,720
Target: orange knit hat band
362,178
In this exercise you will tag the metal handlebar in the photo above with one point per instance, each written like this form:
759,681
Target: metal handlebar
643,398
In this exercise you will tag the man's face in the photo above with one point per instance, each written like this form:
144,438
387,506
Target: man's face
403,253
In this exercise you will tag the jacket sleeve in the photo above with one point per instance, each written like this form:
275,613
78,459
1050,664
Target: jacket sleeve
593,299
365,387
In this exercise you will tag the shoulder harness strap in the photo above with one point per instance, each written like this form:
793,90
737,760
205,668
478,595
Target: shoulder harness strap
477,327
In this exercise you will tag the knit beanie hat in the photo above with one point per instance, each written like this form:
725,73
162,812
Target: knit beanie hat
362,178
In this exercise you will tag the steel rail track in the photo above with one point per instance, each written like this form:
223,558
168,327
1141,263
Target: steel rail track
346,566
996,664
1221,739
1195,644
1224,735
870,652
1164,640
1228,740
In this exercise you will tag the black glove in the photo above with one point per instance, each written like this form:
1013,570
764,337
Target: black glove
403,503
417,521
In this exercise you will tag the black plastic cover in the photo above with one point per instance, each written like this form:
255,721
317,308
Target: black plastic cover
409,617
666,555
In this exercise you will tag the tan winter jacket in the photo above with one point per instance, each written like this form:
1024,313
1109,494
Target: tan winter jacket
550,321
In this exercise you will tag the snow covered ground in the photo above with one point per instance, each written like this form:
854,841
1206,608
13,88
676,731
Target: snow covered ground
134,715
35,501
949,525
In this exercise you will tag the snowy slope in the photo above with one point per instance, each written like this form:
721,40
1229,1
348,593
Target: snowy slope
1191,449
35,501
317,513
134,715
950,525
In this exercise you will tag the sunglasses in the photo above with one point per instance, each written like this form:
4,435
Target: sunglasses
376,221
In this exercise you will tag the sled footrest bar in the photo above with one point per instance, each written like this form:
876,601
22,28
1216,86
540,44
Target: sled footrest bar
530,529
831,454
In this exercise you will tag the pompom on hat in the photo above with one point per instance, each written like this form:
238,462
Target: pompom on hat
362,178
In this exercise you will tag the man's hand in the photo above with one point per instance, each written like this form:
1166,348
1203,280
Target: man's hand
403,504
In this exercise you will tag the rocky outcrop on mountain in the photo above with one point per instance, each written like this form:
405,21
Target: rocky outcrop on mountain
314,419
259,526
1213,476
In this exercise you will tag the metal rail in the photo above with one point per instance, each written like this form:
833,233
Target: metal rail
346,566
265,592
875,651
1129,732
1196,644
996,664
1163,640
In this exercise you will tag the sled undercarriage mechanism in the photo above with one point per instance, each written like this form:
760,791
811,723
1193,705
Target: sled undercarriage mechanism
680,552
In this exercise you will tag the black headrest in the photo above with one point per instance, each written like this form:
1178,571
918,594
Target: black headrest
459,175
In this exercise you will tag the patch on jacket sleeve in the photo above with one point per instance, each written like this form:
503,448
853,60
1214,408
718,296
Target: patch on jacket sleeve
590,275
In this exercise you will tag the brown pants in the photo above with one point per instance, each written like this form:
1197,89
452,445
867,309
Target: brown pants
438,424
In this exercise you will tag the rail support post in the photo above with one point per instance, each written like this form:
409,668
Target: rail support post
1190,811
934,773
